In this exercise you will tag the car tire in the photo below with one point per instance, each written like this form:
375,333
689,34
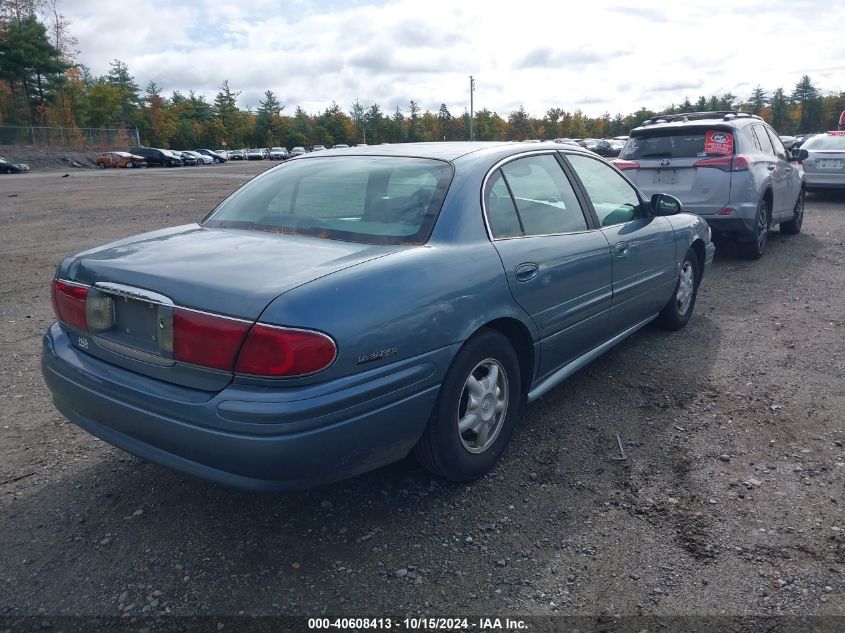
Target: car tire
678,310
130,164
793,226
463,456
755,246
101,166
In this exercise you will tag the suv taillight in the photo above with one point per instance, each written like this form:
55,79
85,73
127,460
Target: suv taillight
725,163
69,303
625,164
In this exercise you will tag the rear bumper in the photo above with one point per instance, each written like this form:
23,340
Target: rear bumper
816,180
738,223
249,437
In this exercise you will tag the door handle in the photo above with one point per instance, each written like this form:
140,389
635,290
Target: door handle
527,271
621,249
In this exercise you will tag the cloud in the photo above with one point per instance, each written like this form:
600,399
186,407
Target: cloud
311,53
646,13
547,57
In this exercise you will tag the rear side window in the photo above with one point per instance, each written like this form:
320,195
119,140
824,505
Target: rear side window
544,197
501,212
777,144
369,199
614,200
764,140
686,142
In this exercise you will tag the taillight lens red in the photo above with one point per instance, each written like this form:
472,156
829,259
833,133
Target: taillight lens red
69,303
626,164
725,163
206,339
283,352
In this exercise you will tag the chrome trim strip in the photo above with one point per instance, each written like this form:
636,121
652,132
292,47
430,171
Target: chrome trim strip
547,384
131,292
214,314
72,283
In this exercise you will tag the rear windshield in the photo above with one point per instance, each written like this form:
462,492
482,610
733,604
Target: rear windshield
369,199
686,142
825,141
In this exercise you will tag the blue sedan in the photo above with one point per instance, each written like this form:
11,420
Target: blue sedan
347,308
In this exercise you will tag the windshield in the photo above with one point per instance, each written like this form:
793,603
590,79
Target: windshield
825,141
369,199
683,142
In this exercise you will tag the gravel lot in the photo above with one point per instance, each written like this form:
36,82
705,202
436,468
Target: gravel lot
731,500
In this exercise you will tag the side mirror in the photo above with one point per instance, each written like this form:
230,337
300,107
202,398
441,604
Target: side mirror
800,154
664,204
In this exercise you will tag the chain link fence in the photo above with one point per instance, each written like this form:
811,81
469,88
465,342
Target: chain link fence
69,137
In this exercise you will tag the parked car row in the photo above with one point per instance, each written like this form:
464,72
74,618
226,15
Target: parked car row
277,153
158,157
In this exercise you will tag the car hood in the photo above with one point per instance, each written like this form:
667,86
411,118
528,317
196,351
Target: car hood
224,271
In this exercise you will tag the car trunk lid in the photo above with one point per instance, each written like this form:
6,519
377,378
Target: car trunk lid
136,286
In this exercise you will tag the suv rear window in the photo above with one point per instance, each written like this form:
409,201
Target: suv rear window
685,142
825,141
369,199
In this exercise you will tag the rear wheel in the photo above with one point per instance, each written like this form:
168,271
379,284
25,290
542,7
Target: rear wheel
101,165
677,312
793,227
756,244
478,406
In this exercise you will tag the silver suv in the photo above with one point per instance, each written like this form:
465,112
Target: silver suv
728,167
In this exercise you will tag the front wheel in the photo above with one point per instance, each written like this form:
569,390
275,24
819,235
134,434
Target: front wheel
130,164
793,226
478,406
677,312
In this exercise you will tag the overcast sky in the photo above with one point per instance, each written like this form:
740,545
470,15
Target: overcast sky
599,55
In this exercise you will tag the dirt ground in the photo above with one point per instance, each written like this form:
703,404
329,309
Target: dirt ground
730,502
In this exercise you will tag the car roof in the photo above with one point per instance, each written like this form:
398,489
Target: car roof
683,119
449,150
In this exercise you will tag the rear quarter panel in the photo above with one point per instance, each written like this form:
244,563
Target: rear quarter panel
402,305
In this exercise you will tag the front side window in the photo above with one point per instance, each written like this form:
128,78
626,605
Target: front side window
614,199
544,197
369,199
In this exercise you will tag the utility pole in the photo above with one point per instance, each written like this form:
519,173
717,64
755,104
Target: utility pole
471,112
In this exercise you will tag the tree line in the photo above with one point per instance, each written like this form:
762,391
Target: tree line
41,84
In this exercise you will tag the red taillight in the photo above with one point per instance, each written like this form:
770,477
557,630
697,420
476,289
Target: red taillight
626,164
207,340
69,303
277,351
725,211
725,163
